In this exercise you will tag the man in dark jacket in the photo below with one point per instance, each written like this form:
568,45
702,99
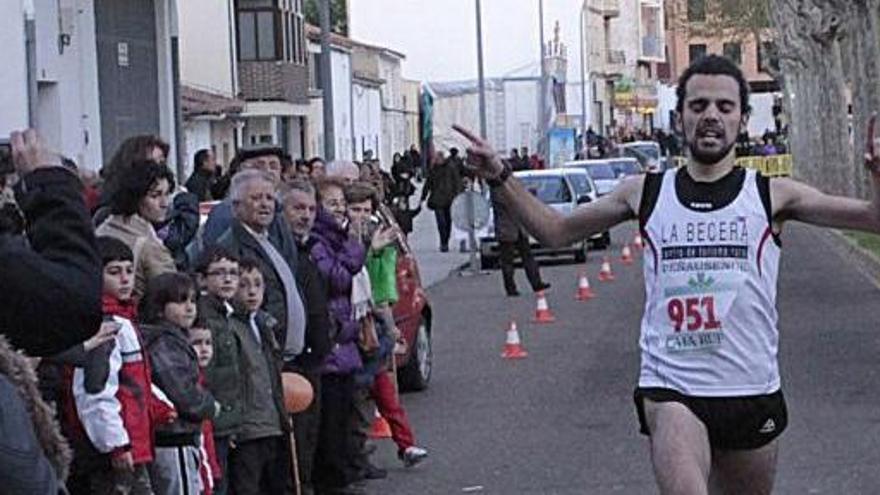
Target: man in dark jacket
52,301
441,188
300,210
512,237
204,175
254,208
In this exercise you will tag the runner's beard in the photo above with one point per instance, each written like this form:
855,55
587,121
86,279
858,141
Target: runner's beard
708,157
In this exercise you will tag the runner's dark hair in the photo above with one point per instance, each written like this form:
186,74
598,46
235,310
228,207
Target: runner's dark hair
714,65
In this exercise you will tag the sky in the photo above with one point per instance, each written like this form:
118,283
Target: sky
438,37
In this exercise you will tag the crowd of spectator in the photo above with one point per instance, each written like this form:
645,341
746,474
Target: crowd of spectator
183,389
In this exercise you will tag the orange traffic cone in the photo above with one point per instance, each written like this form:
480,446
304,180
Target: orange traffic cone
542,313
605,273
626,255
637,241
584,291
513,349
380,428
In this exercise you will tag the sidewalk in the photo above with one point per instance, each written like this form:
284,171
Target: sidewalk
434,266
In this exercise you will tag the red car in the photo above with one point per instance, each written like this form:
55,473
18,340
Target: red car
413,316
412,313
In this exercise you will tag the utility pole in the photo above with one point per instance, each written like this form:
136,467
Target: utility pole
542,123
482,82
470,208
584,146
327,80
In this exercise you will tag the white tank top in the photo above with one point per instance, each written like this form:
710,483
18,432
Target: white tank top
709,328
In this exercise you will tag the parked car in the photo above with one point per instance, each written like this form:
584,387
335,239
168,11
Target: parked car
626,166
602,172
646,152
412,314
563,189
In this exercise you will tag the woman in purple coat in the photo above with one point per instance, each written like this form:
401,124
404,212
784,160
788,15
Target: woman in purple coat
339,258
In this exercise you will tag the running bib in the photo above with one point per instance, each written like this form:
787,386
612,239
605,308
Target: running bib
694,309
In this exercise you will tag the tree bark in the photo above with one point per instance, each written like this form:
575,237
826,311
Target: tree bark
863,47
809,38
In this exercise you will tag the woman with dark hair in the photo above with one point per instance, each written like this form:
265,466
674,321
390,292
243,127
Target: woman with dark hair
140,201
177,229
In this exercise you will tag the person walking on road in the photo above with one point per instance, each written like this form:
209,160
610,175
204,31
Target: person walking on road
709,393
441,188
513,239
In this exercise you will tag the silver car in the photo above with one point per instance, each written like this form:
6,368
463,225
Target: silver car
563,189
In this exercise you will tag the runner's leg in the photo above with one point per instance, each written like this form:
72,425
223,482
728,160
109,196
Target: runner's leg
680,448
744,472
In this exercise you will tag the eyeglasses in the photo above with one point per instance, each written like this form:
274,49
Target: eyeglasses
224,273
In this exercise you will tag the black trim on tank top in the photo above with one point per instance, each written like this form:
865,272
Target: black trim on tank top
650,193
708,196
764,191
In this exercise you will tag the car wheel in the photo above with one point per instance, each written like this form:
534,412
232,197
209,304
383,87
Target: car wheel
580,256
488,262
605,241
417,372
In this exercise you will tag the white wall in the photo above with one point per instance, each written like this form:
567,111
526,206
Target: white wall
196,135
166,27
207,43
367,104
762,114
13,77
521,109
68,115
342,103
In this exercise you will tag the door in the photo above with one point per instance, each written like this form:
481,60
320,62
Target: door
128,80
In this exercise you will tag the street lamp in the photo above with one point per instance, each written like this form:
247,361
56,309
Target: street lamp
584,145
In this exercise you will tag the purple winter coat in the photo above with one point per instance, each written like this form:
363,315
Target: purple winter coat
338,258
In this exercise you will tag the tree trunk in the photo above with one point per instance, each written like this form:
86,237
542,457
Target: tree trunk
809,35
863,46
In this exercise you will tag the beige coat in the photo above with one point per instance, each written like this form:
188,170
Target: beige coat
151,257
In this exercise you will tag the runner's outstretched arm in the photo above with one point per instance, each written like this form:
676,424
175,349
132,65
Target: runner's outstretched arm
793,200
550,227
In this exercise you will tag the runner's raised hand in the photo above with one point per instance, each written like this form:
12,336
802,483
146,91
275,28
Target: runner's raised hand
481,158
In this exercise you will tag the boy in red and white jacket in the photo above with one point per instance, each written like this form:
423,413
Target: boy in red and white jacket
116,424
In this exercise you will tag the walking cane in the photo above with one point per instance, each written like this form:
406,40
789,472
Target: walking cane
294,462
298,395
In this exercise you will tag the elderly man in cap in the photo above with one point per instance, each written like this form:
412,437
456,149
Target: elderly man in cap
266,159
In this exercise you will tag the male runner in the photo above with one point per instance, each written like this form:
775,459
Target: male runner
709,391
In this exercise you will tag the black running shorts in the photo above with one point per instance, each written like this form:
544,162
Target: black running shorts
733,423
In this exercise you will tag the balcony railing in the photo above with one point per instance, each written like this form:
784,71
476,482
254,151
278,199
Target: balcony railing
652,47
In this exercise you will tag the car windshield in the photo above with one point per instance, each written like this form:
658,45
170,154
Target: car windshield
581,184
626,167
548,189
601,171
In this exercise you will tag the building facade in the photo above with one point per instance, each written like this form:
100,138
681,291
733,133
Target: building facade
273,73
99,72
625,58
691,34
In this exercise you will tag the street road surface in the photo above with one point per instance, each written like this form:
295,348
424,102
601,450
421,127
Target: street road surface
562,421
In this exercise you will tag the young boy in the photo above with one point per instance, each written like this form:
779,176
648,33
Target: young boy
261,461
209,469
118,420
218,274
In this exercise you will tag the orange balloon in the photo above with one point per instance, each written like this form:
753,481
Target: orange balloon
298,393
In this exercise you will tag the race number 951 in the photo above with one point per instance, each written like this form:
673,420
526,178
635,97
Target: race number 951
695,313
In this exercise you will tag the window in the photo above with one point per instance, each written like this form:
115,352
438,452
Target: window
256,35
696,10
271,30
768,59
733,51
315,73
696,52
